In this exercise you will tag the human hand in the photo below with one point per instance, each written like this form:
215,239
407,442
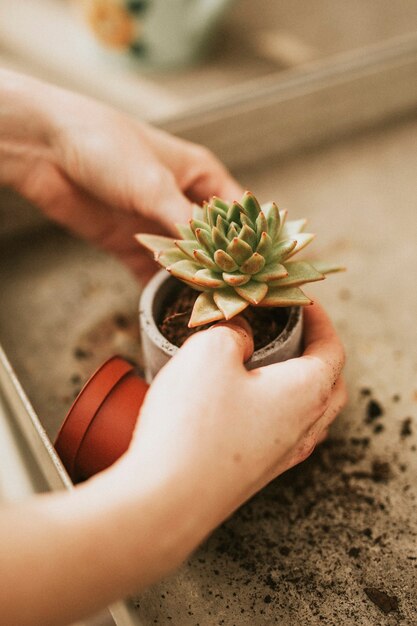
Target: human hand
102,174
214,433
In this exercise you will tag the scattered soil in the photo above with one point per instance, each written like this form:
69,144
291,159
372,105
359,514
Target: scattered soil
373,411
382,600
81,354
406,430
266,323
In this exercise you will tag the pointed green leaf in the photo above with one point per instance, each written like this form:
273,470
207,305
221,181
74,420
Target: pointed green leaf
253,292
198,212
209,279
184,270
205,311
222,225
194,285
236,279
205,214
303,239
327,268
185,231
273,221
280,251
169,257
239,250
285,296
202,257
204,239
251,206
187,247
261,224
219,240
282,221
155,243
212,214
272,271
264,245
232,232
225,261
248,234
229,302
195,224
233,214
299,273
291,228
244,220
254,264
221,204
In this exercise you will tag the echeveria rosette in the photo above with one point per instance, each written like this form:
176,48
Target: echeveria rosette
237,255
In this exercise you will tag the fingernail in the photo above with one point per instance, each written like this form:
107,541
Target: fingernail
242,327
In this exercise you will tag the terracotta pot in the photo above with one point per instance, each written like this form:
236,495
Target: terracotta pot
101,420
157,350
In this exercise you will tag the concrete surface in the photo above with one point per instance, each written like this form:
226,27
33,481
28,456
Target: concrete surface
306,549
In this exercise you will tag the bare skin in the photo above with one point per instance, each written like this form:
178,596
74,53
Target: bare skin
98,172
210,434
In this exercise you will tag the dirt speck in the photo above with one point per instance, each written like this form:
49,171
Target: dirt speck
382,600
121,321
381,472
373,411
81,354
406,430
354,552
344,294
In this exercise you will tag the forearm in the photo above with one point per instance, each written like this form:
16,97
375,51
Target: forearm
63,556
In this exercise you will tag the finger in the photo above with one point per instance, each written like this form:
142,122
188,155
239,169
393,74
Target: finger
198,172
309,378
158,197
215,180
314,434
243,335
323,436
87,217
338,400
322,342
227,343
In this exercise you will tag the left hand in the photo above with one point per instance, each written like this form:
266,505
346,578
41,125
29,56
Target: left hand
99,172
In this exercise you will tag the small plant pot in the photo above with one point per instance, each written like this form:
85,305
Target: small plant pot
157,350
100,423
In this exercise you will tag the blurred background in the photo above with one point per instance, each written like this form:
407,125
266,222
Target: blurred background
314,105
277,75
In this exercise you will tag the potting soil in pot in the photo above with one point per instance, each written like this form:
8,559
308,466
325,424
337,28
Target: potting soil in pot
266,323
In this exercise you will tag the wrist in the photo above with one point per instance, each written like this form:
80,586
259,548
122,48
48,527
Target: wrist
148,522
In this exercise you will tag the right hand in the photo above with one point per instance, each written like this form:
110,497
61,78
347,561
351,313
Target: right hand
218,433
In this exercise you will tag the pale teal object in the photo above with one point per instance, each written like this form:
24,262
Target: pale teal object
167,33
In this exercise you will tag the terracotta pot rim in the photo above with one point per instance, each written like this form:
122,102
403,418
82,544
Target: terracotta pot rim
84,408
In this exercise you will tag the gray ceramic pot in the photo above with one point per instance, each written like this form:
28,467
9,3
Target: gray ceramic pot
157,350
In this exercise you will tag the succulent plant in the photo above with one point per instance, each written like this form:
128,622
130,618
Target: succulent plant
236,255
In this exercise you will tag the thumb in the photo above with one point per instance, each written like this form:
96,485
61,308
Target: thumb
241,333
232,340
